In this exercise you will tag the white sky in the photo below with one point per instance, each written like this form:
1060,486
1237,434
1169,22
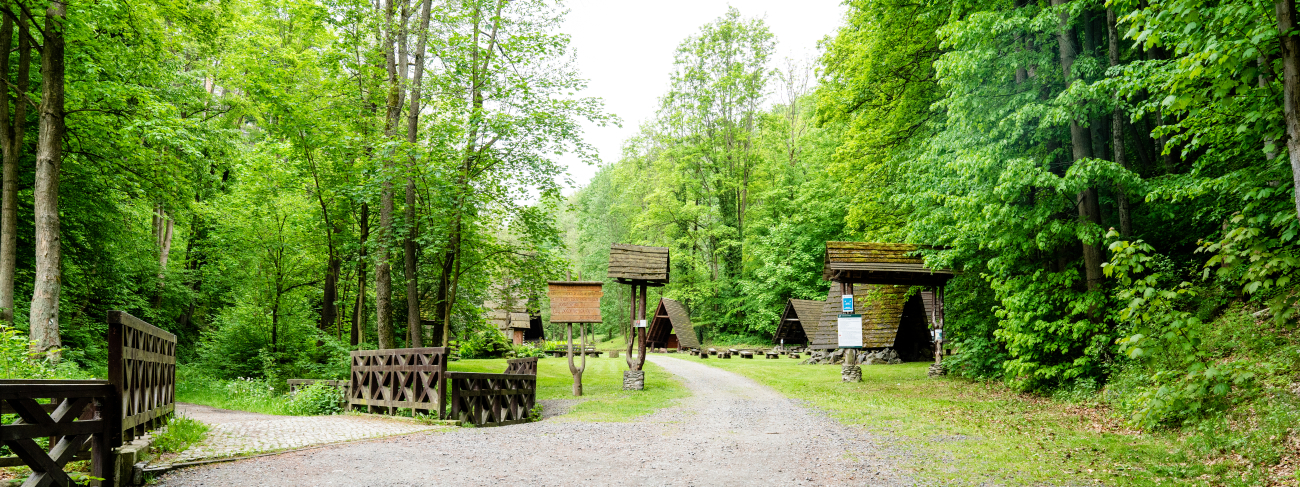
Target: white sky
625,50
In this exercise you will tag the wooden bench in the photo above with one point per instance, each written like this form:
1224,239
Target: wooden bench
746,354
773,354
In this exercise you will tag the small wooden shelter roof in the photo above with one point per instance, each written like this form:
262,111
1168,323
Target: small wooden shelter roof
671,318
881,307
800,319
880,263
637,264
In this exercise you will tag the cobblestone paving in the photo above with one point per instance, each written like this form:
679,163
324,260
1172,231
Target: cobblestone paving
238,433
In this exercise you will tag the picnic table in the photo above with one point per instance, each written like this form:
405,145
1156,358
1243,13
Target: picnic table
565,353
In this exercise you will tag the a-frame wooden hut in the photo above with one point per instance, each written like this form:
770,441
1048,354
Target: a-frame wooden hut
878,275
890,319
801,319
671,327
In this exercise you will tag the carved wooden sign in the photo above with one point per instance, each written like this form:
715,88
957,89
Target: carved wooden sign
575,301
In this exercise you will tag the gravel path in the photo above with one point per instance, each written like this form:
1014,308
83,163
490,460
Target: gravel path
239,433
732,431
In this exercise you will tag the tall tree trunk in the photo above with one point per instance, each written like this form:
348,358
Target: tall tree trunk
49,158
1081,148
165,224
11,138
329,309
1286,23
480,59
383,272
414,323
1117,130
358,309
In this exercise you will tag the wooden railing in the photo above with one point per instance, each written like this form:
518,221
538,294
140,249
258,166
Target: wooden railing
495,399
142,368
80,414
522,366
411,378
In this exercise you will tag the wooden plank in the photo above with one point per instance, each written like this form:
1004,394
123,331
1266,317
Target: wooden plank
10,391
125,319
14,432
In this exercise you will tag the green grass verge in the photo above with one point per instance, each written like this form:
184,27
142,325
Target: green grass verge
603,396
971,433
181,432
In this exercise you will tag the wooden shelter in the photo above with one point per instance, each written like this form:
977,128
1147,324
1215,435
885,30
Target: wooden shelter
801,319
516,315
886,270
890,319
671,327
638,265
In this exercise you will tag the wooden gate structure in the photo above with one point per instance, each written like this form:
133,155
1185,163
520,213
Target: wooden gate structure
142,365
81,415
386,380
495,399
884,264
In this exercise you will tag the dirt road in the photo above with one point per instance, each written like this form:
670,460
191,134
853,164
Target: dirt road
731,431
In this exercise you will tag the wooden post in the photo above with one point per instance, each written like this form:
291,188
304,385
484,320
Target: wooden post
938,323
577,371
631,331
640,361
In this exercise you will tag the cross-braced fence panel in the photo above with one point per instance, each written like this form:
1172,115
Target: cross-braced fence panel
142,365
411,378
77,416
492,399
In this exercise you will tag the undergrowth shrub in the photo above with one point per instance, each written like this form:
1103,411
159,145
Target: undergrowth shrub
488,343
314,400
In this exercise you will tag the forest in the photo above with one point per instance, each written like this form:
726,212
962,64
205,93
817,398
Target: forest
279,182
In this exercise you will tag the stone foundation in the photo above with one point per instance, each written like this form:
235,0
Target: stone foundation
634,380
836,357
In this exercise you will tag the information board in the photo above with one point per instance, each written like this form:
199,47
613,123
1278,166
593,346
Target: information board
575,301
846,304
850,331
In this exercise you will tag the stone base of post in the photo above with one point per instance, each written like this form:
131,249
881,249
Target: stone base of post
851,373
936,370
634,380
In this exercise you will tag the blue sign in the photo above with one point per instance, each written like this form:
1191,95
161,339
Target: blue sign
846,304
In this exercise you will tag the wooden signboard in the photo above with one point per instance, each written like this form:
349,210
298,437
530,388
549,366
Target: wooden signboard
575,301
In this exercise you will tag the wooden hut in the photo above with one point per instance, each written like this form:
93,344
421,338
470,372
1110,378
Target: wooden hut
638,265
802,318
671,327
879,276
516,315
890,319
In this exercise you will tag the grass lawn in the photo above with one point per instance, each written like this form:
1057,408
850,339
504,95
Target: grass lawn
603,396
972,433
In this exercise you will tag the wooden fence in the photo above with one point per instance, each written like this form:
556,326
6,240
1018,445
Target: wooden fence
522,366
142,368
78,415
412,378
495,399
